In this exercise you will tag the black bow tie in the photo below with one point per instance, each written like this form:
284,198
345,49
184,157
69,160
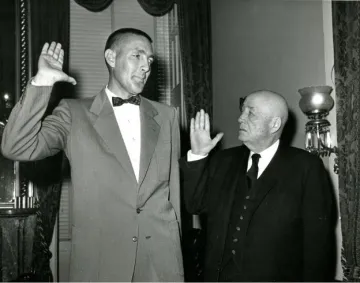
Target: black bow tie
118,101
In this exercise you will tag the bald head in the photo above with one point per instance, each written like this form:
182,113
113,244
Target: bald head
262,119
271,104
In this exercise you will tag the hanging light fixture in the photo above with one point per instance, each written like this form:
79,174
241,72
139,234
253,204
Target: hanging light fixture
316,104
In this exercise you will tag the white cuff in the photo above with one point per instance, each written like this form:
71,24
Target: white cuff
33,83
194,157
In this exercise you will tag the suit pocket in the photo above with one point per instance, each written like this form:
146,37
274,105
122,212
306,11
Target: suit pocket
163,157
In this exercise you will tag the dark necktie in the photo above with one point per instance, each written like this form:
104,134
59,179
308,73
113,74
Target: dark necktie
118,101
254,169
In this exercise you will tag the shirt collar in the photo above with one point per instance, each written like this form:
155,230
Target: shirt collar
110,94
266,156
269,152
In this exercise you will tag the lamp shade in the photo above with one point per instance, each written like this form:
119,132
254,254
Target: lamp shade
316,100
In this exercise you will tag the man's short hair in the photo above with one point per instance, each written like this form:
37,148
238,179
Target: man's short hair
116,36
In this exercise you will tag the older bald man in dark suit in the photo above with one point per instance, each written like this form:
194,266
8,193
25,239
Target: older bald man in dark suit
269,207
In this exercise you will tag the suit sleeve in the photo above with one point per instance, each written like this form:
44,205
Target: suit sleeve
195,184
174,170
319,216
27,135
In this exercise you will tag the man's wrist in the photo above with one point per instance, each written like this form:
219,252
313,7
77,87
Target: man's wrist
41,81
194,157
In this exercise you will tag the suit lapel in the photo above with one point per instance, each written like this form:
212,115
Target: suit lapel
235,174
242,181
106,126
150,128
235,168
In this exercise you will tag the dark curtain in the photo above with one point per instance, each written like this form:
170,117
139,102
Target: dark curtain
157,7
94,5
195,42
346,28
49,22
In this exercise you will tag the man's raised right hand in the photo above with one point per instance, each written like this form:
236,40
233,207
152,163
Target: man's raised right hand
50,66
201,142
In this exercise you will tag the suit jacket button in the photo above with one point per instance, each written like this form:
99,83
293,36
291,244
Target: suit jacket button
138,210
134,239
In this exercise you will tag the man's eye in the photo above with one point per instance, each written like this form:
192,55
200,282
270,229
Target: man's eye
137,55
244,109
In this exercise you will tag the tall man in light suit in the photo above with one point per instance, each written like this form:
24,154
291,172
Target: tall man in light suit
270,209
123,150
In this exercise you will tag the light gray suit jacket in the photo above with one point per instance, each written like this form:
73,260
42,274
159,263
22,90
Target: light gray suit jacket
113,214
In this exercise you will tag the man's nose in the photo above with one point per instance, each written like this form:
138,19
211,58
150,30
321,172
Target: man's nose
145,67
242,117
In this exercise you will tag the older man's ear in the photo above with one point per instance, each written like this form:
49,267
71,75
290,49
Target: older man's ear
276,125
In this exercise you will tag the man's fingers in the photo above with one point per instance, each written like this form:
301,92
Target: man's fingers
57,51
202,119
71,80
45,48
54,49
207,122
217,138
61,56
197,121
51,48
192,125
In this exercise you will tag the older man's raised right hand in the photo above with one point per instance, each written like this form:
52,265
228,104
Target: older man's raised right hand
201,142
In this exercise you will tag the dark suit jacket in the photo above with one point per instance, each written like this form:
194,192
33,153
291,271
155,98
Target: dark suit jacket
290,227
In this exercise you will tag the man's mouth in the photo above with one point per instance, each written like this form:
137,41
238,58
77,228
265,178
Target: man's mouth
140,79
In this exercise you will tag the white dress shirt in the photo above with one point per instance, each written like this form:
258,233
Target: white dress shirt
266,156
128,119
